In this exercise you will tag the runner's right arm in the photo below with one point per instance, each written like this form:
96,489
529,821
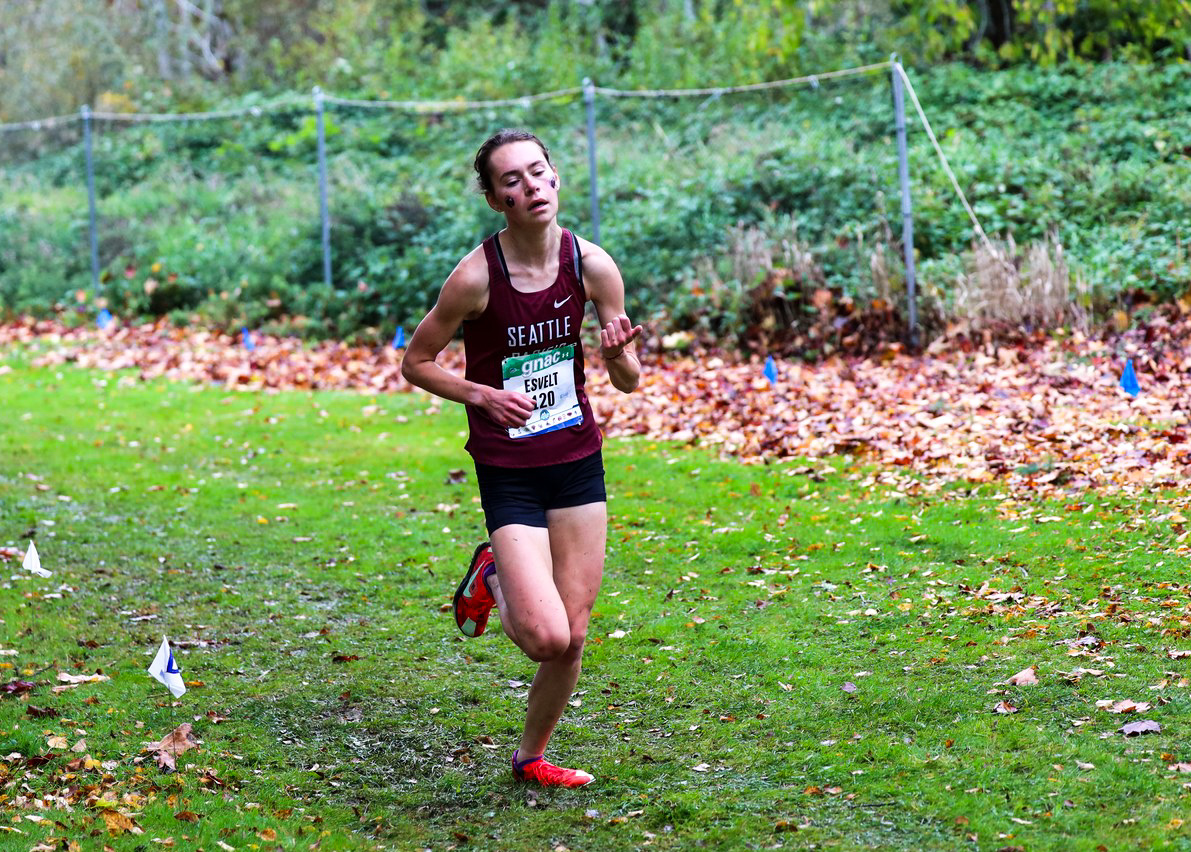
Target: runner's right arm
463,296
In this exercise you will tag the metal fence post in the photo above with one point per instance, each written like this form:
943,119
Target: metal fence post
324,213
589,101
85,113
903,175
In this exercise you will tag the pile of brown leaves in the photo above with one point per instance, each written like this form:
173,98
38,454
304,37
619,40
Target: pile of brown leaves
1044,412
160,350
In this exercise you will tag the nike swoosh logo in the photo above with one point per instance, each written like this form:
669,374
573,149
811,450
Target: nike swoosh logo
558,304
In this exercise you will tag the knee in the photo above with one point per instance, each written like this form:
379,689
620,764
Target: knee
578,637
547,646
544,645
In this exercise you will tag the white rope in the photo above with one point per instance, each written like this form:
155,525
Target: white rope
445,106
40,123
448,106
134,117
943,159
812,79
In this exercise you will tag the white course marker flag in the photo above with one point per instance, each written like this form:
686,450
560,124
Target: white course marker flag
32,561
164,669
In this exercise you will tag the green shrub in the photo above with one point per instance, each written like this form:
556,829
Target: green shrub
221,220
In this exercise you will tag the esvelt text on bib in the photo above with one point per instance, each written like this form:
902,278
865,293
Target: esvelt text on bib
547,378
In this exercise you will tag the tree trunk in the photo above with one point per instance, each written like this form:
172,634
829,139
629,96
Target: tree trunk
164,69
185,28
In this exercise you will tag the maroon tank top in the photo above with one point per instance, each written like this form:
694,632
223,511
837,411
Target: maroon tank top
530,343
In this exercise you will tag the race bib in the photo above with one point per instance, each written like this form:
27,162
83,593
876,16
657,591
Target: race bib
548,378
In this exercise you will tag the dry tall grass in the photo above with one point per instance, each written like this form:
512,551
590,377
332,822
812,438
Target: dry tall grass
1002,286
754,256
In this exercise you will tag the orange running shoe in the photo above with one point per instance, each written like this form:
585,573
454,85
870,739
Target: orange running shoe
547,774
473,598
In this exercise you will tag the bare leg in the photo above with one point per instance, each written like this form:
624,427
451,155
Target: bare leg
532,615
500,605
549,579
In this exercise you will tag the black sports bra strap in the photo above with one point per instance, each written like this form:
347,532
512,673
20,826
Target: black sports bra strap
504,267
578,258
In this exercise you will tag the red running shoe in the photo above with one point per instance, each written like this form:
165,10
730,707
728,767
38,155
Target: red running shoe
548,775
473,599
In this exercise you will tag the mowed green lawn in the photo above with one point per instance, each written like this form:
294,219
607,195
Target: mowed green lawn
792,656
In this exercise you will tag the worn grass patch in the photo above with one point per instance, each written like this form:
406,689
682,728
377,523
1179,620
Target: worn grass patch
790,656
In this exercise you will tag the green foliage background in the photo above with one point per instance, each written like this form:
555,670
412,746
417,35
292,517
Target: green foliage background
220,218
58,54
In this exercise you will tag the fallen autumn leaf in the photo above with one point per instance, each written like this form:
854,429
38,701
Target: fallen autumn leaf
1143,726
1025,677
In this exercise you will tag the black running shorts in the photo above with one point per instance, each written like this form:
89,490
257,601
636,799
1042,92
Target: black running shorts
523,495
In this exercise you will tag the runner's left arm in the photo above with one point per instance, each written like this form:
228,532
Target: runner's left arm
605,288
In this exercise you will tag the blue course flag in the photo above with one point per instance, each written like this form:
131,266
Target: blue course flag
246,337
771,370
1129,380
399,338
104,319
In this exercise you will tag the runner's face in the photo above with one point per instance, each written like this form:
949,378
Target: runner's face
525,186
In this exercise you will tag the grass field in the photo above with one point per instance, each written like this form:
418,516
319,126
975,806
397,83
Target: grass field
791,656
